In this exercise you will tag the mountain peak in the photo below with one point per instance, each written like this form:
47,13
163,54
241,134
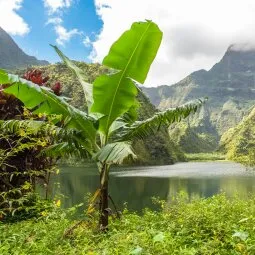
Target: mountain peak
239,58
241,47
12,57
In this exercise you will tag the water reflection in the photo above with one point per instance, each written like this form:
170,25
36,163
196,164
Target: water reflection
137,191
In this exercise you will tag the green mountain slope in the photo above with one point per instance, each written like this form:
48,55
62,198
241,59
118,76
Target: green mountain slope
158,149
230,87
239,142
12,57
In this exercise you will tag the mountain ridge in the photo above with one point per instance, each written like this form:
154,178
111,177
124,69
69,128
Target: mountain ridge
12,57
229,85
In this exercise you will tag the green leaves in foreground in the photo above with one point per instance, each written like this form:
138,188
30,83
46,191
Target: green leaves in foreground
131,57
114,153
82,77
67,142
41,100
134,52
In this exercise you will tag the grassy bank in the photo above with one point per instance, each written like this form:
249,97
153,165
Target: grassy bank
204,226
205,156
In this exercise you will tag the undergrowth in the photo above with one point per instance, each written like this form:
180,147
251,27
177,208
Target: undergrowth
215,225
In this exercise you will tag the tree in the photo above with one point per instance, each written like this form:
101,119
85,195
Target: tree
105,130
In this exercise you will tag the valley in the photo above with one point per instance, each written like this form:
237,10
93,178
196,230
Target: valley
230,88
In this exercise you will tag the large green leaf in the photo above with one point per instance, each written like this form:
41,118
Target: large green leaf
142,129
82,77
3,77
112,101
135,50
114,153
42,100
132,56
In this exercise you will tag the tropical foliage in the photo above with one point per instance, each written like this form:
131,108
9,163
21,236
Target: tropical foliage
105,129
158,149
21,164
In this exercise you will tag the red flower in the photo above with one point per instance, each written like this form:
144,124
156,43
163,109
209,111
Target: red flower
36,77
56,88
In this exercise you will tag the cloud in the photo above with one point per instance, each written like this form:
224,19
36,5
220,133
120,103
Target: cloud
54,21
196,33
54,6
242,47
10,21
87,42
63,35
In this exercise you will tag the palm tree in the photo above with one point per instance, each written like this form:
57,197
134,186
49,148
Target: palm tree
104,132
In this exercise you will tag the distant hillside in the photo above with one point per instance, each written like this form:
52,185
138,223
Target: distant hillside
239,142
156,150
12,57
230,86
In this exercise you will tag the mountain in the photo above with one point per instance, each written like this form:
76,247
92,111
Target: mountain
239,142
12,57
155,150
230,87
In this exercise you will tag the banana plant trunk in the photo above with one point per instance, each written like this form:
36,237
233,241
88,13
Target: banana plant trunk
103,203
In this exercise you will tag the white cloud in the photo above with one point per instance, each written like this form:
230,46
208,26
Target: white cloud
63,35
10,21
54,21
55,11
87,42
56,5
196,33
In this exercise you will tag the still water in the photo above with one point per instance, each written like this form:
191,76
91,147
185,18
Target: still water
136,185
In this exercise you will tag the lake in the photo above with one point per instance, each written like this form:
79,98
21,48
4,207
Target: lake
137,185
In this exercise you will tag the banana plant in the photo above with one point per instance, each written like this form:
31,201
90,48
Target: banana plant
104,131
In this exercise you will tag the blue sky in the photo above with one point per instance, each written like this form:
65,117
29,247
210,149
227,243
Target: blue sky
81,15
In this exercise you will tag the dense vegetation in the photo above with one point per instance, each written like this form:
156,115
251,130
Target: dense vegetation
191,139
204,226
239,142
22,165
